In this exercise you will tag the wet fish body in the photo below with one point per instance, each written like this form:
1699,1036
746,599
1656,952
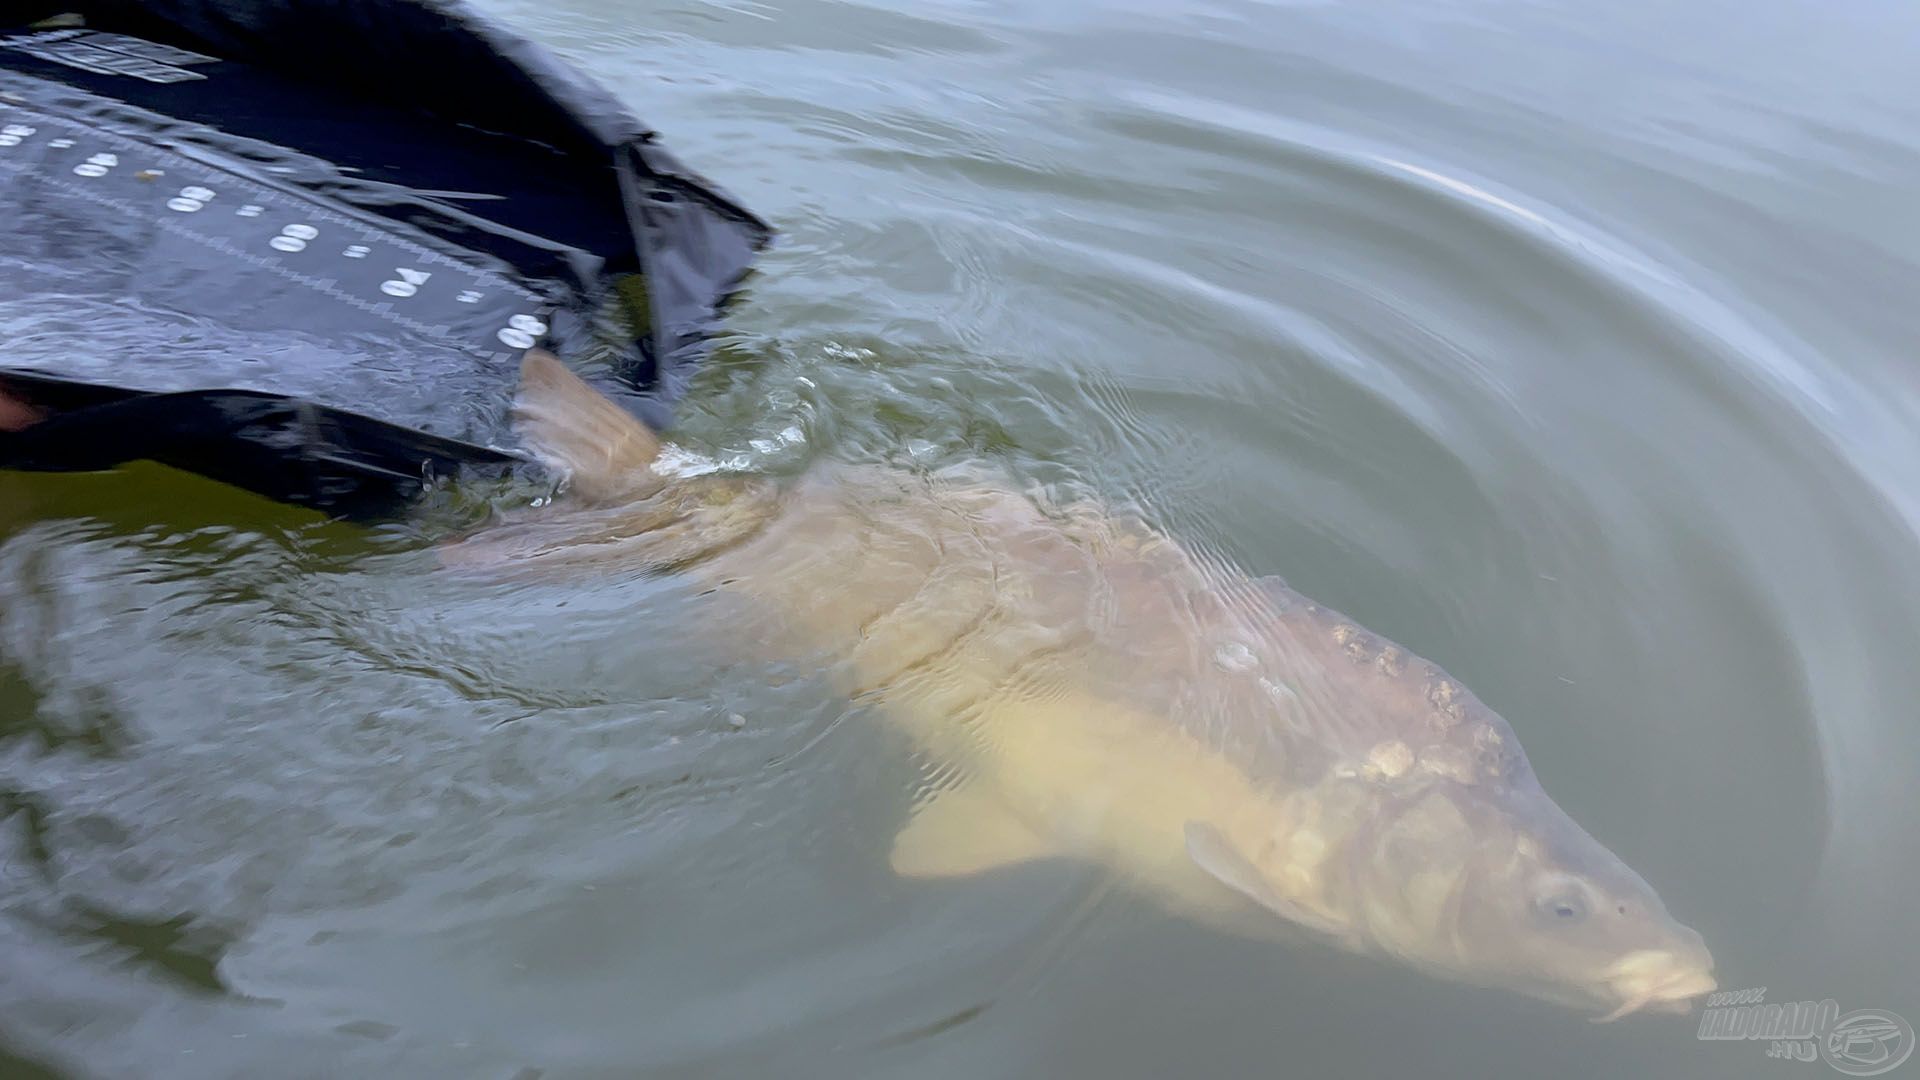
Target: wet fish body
1081,685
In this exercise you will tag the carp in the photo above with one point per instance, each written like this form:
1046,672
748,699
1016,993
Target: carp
1085,686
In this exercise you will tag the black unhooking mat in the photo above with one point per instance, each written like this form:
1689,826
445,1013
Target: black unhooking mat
300,245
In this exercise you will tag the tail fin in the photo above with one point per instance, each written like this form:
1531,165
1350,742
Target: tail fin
576,430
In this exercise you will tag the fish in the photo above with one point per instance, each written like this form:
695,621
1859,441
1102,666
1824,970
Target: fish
1083,685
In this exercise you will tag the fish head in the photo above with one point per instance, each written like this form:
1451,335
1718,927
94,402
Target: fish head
1495,885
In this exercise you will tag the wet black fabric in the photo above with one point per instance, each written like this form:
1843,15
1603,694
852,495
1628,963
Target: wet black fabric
300,245
300,452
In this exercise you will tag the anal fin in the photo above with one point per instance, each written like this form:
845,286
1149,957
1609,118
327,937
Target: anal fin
961,831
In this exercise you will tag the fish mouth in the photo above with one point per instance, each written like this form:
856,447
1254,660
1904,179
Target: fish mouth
1657,979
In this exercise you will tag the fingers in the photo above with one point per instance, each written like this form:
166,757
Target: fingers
15,414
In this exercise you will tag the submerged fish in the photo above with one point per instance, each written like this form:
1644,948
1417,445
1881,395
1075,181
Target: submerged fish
1088,687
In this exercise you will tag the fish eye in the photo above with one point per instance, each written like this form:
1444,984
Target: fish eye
1563,902
1568,907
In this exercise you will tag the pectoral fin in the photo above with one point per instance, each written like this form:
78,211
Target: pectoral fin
1215,855
576,430
959,832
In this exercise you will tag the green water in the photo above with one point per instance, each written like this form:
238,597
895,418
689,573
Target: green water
1572,345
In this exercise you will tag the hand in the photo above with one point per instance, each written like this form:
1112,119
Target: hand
15,414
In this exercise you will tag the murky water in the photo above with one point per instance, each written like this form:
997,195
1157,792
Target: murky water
1571,345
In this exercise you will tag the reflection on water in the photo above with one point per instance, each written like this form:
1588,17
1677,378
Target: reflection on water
1569,346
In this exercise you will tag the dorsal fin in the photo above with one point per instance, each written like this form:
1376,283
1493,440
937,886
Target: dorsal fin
576,430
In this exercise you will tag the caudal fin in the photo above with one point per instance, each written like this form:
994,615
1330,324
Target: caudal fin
576,430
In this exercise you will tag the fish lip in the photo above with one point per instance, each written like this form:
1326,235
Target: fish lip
1659,979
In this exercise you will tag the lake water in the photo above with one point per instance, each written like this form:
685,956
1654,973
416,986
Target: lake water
1572,345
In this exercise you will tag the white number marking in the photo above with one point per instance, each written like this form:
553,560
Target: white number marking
190,199
293,238
407,283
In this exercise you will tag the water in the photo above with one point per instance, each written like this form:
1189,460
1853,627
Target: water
1569,344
